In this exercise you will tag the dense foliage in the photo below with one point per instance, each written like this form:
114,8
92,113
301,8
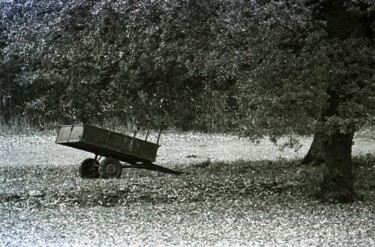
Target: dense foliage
257,66
145,62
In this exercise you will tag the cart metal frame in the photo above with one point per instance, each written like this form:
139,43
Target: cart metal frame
114,146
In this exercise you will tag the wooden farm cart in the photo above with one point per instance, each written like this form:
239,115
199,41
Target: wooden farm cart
114,147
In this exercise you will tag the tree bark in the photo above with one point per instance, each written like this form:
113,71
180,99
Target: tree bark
315,155
337,184
335,148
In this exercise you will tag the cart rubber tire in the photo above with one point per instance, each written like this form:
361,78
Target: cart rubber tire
110,168
89,168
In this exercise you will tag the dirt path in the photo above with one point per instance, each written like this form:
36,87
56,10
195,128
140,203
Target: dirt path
176,149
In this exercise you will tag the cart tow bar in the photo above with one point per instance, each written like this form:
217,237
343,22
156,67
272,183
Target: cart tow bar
153,167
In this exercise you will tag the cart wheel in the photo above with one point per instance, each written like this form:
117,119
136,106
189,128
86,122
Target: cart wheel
110,168
89,168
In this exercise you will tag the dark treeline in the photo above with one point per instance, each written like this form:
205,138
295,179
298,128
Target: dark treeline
258,67
186,64
172,63
212,65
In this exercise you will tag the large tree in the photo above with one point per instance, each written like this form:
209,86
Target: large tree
350,30
314,75
345,20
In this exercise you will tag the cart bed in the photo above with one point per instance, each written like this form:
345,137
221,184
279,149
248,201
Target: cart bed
107,143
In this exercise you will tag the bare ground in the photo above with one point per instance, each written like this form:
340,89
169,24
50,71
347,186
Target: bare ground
251,203
177,149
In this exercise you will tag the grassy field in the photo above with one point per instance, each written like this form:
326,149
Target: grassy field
237,193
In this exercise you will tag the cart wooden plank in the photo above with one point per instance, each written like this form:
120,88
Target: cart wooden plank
107,143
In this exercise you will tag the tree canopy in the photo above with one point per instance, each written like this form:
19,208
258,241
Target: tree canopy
262,67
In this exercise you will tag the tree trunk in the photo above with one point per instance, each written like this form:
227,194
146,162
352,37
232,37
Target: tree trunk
337,184
335,152
341,24
334,147
315,155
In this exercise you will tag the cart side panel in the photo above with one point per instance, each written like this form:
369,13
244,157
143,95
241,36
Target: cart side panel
145,150
107,143
120,143
69,133
126,146
95,136
76,133
64,134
